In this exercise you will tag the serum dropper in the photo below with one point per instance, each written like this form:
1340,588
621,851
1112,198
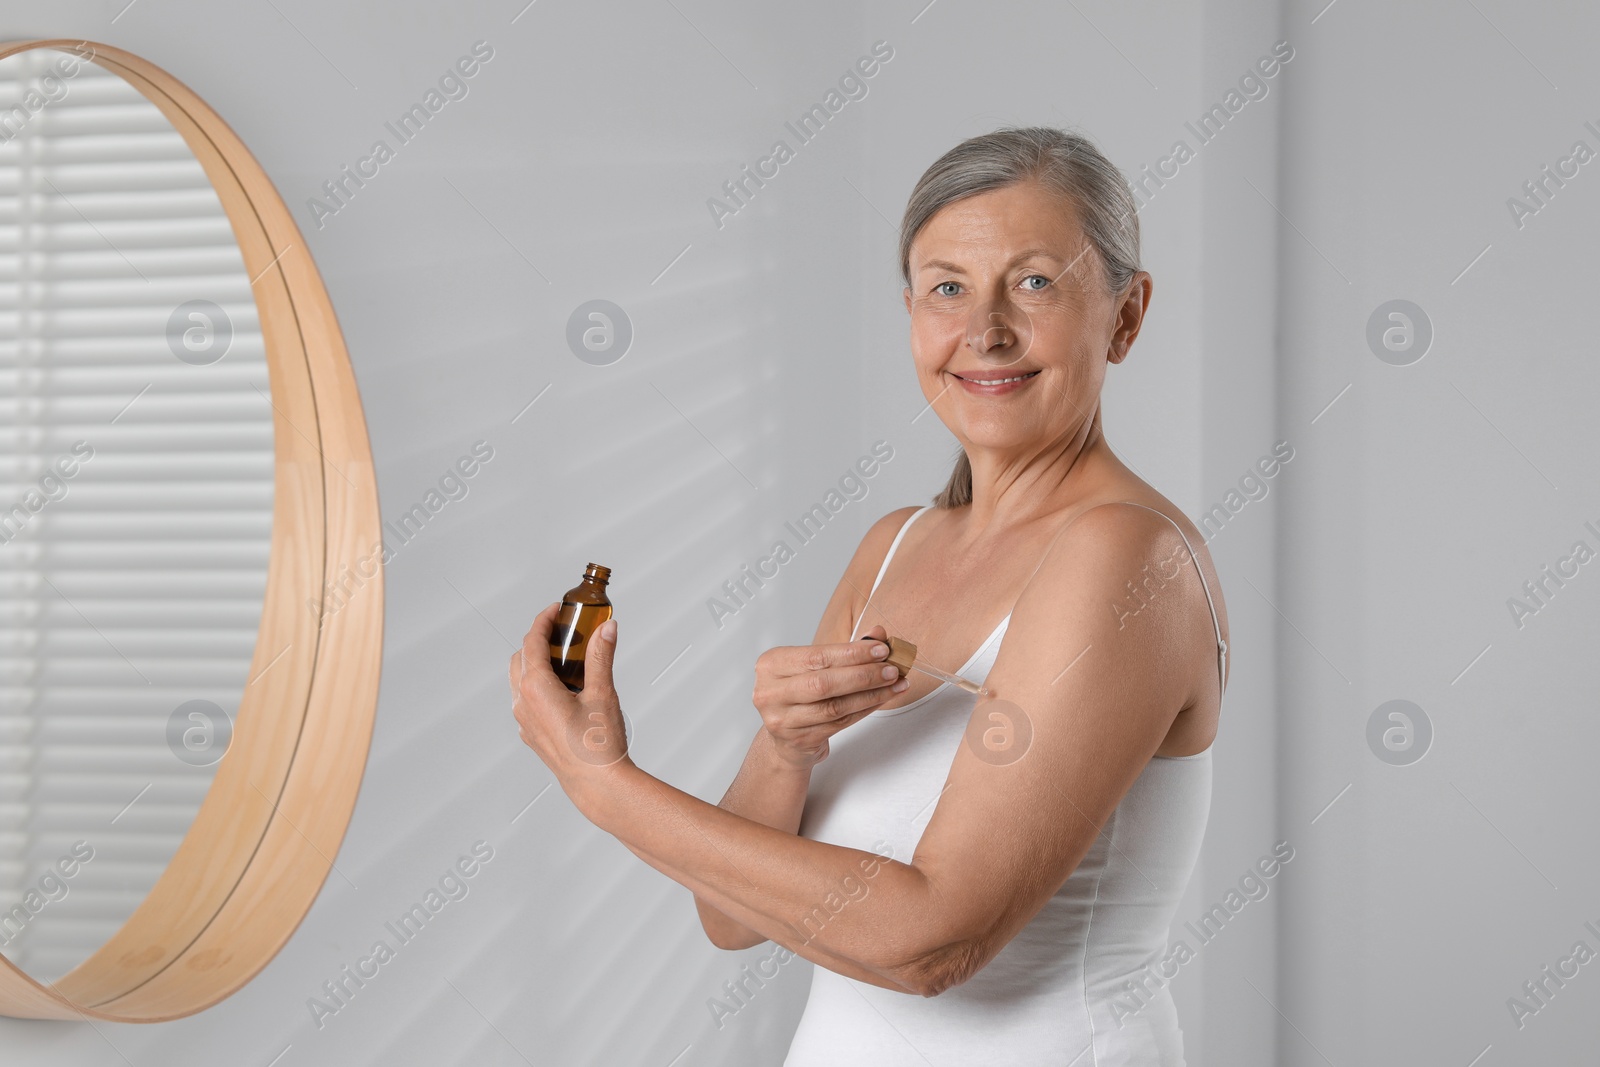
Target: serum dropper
903,657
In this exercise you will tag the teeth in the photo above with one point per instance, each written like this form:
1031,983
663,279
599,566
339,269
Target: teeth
999,381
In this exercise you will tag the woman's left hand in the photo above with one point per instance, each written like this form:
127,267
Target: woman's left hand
576,734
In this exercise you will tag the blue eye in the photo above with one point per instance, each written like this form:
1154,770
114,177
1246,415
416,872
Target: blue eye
1044,279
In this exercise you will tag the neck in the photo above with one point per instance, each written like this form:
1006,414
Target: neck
1011,488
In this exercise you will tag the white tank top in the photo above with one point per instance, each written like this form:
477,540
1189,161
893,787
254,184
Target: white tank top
1084,983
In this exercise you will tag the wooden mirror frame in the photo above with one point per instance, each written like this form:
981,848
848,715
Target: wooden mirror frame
262,843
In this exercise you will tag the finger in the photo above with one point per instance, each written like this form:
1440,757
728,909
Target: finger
829,712
835,682
534,656
597,662
803,659
543,624
848,710
853,718
868,700
845,681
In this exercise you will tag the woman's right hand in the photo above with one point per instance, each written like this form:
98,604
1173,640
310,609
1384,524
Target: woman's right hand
808,693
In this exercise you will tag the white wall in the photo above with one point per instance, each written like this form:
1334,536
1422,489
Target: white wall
772,354
1428,495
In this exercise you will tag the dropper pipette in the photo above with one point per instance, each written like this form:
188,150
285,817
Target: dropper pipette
903,656
953,679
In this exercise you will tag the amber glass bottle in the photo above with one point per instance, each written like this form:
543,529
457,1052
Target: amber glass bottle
584,607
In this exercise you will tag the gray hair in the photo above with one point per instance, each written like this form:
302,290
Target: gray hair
1064,162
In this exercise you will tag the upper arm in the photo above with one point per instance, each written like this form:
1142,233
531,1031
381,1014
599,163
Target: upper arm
839,617
1087,693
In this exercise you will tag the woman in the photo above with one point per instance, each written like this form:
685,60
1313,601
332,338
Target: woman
1012,859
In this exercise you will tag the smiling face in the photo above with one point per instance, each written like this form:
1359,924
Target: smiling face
1004,285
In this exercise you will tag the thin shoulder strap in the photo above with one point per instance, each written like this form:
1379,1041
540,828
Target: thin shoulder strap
885,565
1222,646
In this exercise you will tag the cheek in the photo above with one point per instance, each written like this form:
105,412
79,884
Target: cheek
926,350
1039,346
1066,340
934,336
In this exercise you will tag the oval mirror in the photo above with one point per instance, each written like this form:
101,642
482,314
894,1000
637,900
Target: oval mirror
191,595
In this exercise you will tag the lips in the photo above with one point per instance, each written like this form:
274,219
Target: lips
993,377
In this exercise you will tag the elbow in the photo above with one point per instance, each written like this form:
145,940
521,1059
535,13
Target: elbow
931,972
942,950
729,941
723,932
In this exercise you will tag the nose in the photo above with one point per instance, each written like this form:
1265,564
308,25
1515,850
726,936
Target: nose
994,335
998,335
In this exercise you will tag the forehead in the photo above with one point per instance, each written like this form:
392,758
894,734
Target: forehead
993,225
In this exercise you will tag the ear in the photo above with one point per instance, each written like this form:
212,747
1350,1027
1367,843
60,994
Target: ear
1130,316
907,295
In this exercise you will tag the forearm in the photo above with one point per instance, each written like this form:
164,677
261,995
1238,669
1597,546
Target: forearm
769,790
835,906
838,964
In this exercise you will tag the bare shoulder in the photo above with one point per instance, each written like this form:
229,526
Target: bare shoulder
850,596
1186,553
875,542
1109,541
1128,571
1151,522
1138,541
